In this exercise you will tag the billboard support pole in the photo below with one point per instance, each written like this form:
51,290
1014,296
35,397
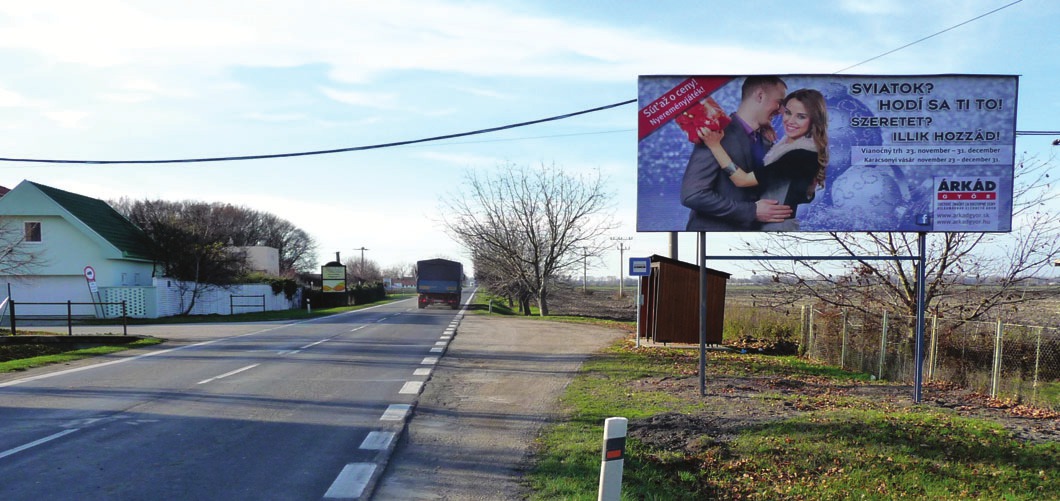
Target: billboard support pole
701,248
920,307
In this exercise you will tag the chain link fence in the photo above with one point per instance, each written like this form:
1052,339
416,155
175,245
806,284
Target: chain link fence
1003,360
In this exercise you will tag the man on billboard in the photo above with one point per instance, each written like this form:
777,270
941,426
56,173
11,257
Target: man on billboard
794,168
715,202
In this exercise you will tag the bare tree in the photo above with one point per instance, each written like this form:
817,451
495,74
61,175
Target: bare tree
526,226
240,226
15,258
363,271
401,270
955,261
191,245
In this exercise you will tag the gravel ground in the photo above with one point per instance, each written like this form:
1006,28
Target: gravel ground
498,384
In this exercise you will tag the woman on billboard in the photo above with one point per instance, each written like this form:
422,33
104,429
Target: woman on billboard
794,168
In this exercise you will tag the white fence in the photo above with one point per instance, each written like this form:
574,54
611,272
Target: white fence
167,297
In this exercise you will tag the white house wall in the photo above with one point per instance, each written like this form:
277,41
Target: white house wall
65,251
52,289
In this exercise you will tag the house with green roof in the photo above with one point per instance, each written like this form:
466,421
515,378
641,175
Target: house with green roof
71,236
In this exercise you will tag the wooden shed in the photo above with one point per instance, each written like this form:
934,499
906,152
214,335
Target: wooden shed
670,313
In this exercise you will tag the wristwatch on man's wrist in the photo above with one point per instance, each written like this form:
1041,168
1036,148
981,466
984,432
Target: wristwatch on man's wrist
730,169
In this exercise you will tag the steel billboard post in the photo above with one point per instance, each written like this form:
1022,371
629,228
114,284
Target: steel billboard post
920,307
701,250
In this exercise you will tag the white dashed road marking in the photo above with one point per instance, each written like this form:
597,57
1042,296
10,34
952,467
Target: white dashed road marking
237,371
35,443
351,481
377,440
395,412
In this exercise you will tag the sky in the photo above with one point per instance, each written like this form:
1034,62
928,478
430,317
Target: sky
150,80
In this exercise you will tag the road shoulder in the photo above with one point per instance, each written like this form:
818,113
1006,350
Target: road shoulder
498,384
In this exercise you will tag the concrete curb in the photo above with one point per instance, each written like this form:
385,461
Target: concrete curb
383,457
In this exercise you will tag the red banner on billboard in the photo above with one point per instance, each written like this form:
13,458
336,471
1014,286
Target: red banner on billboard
670,105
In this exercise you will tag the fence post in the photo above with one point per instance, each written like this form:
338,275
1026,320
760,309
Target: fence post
883,346
802,331
124,319
810,334
843,350
1037,359
69,319
12,317
995,382
933,352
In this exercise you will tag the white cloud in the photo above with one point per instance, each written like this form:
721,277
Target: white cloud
875,7
11,99
461,159
366,99
276,117
66,118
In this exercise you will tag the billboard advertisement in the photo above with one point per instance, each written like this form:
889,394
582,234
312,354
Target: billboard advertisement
333,278
916,153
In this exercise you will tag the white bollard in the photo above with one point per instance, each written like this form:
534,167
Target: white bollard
613,458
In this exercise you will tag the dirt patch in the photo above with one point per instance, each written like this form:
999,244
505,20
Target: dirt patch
573,301
739,403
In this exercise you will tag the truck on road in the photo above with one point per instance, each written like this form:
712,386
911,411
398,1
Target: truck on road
438,281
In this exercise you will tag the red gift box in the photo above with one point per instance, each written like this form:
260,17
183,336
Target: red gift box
706,113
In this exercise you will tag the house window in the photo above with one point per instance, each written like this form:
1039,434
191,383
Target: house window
32,233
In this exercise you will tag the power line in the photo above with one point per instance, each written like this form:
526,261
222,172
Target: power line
320,152
475,132
937,33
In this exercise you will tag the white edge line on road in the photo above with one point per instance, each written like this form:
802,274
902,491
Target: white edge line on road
422,372
351,481
194,345
429,361
440,343
436,349
237,371
35,443
377,440
411,388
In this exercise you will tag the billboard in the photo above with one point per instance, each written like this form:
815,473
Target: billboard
914,153
333,277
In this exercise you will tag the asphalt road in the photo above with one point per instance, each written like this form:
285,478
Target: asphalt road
308,410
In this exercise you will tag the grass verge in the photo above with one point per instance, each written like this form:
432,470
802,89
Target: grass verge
841,448
485,303
21,364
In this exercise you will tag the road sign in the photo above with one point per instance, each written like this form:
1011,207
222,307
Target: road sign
639,266
90,277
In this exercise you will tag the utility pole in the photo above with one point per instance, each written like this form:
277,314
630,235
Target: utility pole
585,268
622,248
361,271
